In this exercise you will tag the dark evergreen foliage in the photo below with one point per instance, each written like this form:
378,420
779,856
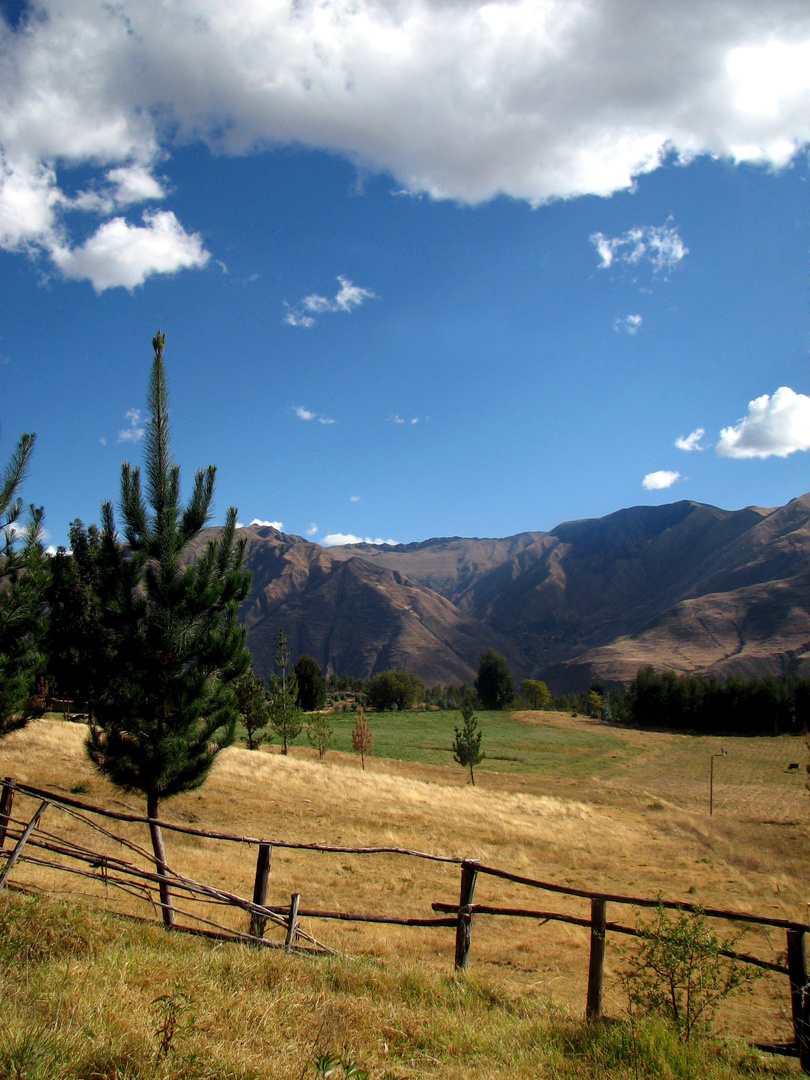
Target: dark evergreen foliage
78,641
311,684
762,705
175,647
494,685
24,575
393,690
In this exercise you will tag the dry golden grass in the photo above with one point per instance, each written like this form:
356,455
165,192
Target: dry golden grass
637,831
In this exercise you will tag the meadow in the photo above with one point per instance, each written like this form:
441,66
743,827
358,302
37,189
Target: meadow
562,798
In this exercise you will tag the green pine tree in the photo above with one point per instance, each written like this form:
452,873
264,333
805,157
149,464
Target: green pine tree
467,743
285,712
251,700
175,646
23,580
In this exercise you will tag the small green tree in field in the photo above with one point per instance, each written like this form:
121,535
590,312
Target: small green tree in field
679,971
285,712
173,644
362,739
467,743
251,701
319,734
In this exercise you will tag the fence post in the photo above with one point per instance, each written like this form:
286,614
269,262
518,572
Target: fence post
596,966
258,922
799,995
6,800
29,828
469,873
292,923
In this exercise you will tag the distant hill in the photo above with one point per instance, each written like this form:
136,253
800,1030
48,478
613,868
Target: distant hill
685,586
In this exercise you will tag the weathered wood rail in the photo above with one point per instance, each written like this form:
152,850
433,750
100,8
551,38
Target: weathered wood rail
32,844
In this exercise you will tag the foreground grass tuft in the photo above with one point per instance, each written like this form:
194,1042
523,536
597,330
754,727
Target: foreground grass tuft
100,998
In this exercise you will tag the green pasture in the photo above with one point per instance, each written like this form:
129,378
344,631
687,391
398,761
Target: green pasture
556,746
510,745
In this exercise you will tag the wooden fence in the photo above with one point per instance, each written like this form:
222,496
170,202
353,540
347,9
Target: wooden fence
34,845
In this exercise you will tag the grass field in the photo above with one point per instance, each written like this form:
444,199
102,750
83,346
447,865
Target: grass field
565,799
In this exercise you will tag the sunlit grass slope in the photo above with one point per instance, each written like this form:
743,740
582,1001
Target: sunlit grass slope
87,996
606,809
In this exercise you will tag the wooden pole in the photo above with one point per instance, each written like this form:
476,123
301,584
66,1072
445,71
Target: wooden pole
799,995
469,873
258,922
596,966
6,800
29,828
292,924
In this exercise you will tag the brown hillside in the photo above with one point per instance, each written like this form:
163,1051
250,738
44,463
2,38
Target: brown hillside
685,585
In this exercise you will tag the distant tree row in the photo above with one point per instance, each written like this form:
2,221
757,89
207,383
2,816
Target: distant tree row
761,705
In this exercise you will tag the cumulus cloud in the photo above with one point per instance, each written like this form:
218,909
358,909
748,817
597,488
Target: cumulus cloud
312,529
136,430
120,254
774,427
628,323
345,299
354,498
658,481
691,441
659,246
344,539
534,101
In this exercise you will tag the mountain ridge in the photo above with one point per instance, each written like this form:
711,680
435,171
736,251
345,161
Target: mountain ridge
684,585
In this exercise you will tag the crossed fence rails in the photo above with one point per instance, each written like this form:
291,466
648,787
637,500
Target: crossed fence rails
30,837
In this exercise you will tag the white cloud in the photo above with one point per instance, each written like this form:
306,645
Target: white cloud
262,524
308,414
120,254
312,529
344,539
629,323
774,427
354,498
134,184
294,318
692,441
658,481
136,430
532,100
345,299
660,246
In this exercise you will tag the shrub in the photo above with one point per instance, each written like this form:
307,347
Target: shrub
680,971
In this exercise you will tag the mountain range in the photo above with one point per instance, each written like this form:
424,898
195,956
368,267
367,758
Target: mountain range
685,586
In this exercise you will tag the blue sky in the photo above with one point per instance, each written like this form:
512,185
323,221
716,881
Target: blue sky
424,268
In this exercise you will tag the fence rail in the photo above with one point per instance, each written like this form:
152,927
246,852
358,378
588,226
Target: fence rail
29,837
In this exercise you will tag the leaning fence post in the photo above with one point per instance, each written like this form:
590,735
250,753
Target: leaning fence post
469,873
29,828
6,800
799,995
258,922
292,924
596,966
